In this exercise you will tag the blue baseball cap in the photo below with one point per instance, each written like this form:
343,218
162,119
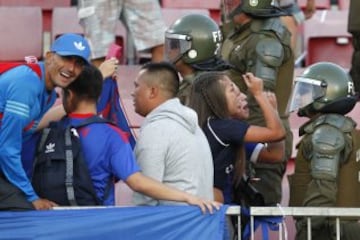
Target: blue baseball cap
71,44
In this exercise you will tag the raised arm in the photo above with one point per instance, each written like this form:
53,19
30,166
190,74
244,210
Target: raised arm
274,130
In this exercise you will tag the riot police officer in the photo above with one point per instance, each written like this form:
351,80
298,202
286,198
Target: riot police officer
193,43
327,161
257,42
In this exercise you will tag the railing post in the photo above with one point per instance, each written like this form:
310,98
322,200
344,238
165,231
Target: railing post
239,227
252,227
337,228
308,219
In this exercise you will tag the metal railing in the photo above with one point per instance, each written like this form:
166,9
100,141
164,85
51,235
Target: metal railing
279,211
307,212
236,211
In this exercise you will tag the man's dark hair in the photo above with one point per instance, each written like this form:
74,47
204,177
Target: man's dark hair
164,74
88,85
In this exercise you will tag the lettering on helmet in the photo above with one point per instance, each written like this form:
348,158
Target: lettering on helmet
350,88
217,36
217,49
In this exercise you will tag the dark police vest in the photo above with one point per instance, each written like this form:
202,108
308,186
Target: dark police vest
345,190
263,48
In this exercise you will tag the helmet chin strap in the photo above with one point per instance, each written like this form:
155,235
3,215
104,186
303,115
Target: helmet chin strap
306,111
212,64
302,113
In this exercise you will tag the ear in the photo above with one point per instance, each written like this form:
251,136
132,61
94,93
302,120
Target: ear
154,92
69,101
48,56
71,94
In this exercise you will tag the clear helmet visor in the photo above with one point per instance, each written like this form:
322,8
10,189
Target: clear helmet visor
176,45
305,92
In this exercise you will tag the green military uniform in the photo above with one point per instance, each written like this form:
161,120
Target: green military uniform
262,47
327,163
194,41
354,29
185,87
326,173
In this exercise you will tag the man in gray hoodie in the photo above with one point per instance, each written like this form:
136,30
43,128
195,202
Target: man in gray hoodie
171,147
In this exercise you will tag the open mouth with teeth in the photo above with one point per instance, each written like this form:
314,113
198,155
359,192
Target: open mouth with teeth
244,107
65,74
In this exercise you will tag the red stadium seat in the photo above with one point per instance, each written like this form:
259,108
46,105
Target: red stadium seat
21,33
326,38
125,78
343,4
170,15
212,5
65,20
355,113
46,6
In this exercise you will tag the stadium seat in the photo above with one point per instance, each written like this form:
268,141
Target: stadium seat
170,15
21,33
126,75
125,78
355,113
46,6
212,5
326,38
65,20
343,4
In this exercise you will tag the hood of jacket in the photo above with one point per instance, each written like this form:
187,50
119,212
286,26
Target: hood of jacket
173,110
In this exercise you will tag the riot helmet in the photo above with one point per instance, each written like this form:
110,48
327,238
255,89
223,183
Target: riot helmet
253,8
195,39
323,87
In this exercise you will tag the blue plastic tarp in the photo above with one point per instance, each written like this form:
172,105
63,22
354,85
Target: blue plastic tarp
163,222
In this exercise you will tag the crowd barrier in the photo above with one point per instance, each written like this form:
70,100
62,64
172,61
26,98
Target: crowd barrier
126,223
308,212
163,222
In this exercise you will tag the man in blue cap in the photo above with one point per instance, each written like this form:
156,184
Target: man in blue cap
26,93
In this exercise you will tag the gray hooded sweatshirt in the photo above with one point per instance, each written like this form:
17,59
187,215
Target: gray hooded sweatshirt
172,149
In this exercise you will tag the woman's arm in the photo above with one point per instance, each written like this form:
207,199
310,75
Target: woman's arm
274,130
272,152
